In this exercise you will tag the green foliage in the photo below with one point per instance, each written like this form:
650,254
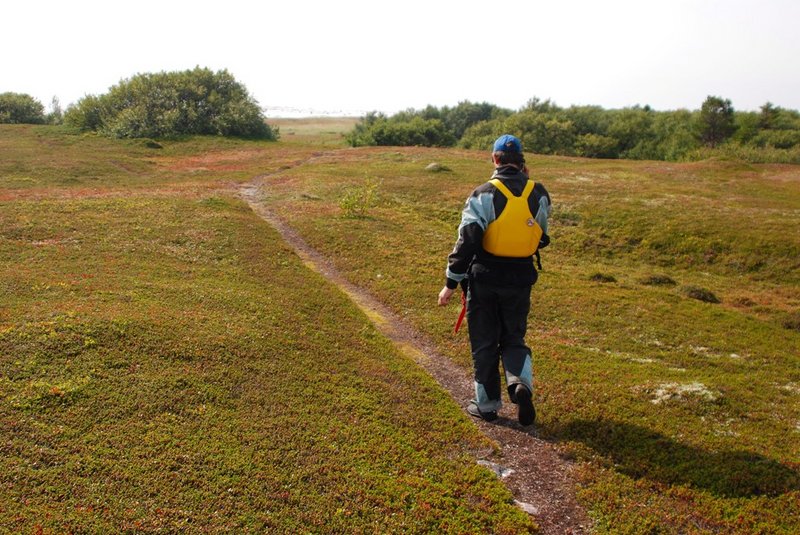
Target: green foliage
632,128
168,104
773,117
588,119
481,136
596,146
542,133
430,127
361,135
400,130
87,114
20,108
416,132
590,131
716,122
779,139
638,133
357,201
56,115
747,126
466,114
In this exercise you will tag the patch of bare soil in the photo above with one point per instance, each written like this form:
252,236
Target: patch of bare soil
541,480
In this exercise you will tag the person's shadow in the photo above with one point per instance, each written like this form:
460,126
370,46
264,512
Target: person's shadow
642,453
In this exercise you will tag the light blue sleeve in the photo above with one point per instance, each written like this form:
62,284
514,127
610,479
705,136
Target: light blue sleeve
478,209
544,213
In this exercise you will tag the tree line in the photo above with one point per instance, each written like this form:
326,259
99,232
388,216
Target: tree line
21,108
155,105
639,132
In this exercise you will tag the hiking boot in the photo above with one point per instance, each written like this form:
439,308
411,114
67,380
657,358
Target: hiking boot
526,414
473,409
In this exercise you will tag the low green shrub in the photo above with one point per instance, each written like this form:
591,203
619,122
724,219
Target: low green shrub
602,277
357,201
701,294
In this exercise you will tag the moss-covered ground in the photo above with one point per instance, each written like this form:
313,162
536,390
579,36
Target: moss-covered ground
167,363
683,414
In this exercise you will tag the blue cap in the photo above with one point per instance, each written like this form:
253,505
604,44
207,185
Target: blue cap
507,143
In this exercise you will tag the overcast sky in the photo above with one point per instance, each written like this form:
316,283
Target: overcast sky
351,56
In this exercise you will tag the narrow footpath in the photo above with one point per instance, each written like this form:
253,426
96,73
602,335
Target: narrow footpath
530,467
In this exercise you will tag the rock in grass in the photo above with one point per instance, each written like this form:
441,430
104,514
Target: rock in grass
434,167
602,277
500,471
150,144
527,507
701,294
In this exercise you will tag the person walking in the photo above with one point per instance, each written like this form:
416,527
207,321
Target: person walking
503,224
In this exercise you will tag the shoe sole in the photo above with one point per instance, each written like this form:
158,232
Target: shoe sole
526,414
486,416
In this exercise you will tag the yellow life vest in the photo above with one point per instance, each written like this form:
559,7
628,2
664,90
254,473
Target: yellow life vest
515,233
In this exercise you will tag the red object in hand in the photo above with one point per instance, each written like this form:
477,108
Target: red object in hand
462,314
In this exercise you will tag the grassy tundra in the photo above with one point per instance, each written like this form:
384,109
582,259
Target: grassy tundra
167,363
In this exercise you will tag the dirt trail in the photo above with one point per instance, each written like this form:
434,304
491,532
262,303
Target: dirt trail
529,466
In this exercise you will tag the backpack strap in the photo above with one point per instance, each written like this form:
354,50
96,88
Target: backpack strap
526,192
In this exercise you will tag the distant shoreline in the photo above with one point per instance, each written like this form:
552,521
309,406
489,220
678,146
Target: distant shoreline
289,112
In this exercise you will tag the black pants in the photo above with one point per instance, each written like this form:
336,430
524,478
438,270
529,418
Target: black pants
498,317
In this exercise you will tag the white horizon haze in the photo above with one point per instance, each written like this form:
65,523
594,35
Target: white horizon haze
350,57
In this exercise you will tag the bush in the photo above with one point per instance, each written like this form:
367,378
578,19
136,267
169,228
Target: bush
168,104
401,130
779,139
86,115
19,108
602,277
459,119
637,132
542,134
356,202
596,146
430,127
701,294
715,123
481,135
632,127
